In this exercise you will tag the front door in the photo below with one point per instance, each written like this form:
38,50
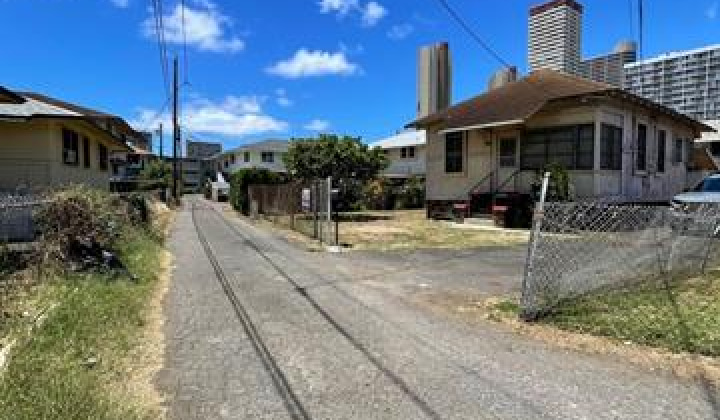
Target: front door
507,162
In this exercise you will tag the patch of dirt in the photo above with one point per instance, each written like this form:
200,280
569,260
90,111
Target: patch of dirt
467,308
370,229
147,359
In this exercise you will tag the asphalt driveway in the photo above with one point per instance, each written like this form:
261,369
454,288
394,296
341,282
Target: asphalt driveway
343,338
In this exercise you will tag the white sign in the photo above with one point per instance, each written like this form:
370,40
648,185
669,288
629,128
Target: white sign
306,199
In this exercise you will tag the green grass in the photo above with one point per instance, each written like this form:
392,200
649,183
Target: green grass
96,317
684,317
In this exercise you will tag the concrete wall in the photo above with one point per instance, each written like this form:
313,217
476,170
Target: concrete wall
406,166
482,154
31,155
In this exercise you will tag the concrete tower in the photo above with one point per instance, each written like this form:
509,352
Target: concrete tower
434,88
555,36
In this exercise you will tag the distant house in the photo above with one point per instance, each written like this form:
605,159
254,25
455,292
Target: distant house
45,142
266,154
614,144
406,152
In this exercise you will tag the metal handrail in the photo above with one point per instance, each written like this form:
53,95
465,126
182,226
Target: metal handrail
507,180
483,179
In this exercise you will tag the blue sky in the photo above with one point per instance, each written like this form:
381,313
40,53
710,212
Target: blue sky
260,69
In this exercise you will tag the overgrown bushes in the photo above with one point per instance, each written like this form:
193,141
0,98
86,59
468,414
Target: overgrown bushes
78,214
242,179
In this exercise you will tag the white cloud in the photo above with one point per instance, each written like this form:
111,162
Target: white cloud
205,28
401,31
372,13
341,7
233,116
712,11
121,3
307,63
282,99
317,125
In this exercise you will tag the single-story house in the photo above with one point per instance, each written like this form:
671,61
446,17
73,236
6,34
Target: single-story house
614,144
406,153
267,154
45,142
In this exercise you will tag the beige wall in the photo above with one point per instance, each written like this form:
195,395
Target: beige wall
406,166
31,155
482,157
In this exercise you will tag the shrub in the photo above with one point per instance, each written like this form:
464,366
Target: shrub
411,195
80,213
378,194
242,179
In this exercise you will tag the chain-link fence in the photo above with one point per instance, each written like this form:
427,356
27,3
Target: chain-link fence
304,207
16,217
581,248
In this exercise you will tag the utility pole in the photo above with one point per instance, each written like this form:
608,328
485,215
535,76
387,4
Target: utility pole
160,133
176,131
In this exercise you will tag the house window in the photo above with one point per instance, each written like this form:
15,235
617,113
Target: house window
102,157
268,157
70,147
454,152
508,152
572,147
641,153
678,151
661,147
407,152
226,163
232,159
246,157
610,147
86,152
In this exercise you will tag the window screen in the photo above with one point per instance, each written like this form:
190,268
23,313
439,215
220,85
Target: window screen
454,152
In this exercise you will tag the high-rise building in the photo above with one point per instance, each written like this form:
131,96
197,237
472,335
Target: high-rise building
555,36
434,88
687,81
610,68
502,77
202,150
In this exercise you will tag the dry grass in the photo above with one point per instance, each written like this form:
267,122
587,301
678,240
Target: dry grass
410,229
503,311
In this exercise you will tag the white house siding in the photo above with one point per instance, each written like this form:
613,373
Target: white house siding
255,161
403,167
482,154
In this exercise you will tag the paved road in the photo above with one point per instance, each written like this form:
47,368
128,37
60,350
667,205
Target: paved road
324,336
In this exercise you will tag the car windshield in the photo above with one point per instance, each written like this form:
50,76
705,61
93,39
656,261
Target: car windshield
709,185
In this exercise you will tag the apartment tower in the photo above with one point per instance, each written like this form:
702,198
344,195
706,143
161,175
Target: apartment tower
687,81
555,36
609,68
434,88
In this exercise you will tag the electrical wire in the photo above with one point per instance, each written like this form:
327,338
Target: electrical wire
162,46
184,34
464,25
485,46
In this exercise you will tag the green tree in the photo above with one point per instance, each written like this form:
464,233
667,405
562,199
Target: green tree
157,172
343,158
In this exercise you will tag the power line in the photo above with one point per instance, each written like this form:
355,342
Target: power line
472,33
466,27
185,56
162,47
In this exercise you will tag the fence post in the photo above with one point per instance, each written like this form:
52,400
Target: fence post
314,201
329,208
529,312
